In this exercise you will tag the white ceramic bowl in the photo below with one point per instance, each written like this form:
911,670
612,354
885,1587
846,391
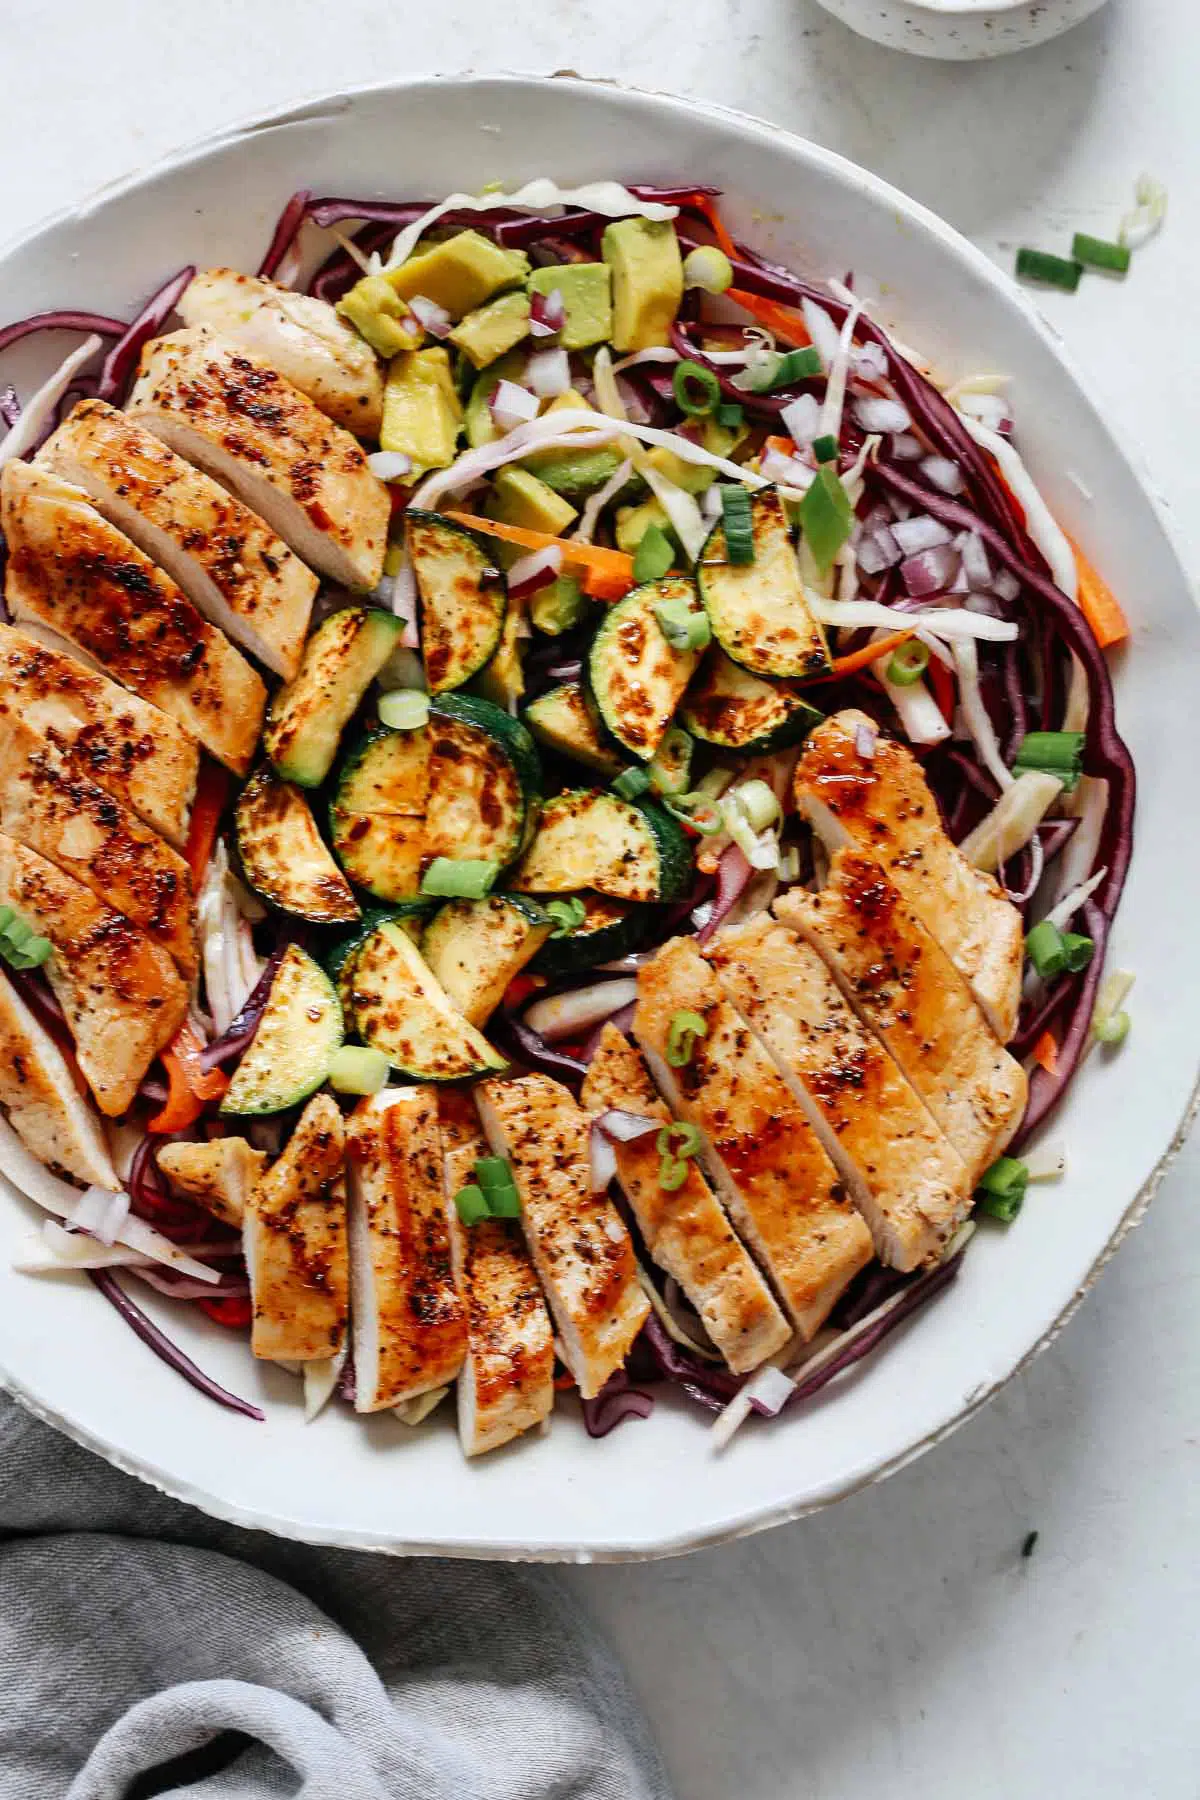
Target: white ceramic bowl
654,1488
961,30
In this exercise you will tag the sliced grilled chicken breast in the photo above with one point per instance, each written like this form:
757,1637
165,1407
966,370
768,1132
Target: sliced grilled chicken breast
783,1194
122,996
236,417
881,803
218,1176
579,1245
44,1107
303,338
903,985
48,805
131,749
410,1332
507,1380
230,565
685,1230
904,1175
71,570
294,1237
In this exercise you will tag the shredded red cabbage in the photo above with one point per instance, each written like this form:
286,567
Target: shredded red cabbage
287,230
237,1039
121,360
61,319
162,1346
616,1402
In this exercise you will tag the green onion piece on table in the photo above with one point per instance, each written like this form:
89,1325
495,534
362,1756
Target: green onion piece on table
631,783
404,709
697,389
738,524
653,556
907,664
1051,271
1002,1188
683,627
568,915
685,1028
1099,253
1112,1030
459,878
826,517
1058,753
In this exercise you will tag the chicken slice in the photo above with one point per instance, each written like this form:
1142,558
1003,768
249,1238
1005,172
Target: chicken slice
48,805
880,803
507,1382
410,1332
122,996
780,1189
218,1176
685,1230
294,1237
579,1245
300,336
238,419
71,570
903,985
904,1175
230,565
44,1107
137,753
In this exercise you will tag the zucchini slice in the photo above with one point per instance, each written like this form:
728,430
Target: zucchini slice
341,660
560,719
377,818
610,928
283,856
400,1009
485,781
464,598
757,610
728,706
635,679
411,916
290,1053
629,850
475,947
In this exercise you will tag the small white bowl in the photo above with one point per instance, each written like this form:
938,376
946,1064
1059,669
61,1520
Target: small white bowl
961,30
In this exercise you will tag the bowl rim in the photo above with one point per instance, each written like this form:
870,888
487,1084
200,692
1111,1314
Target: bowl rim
321,104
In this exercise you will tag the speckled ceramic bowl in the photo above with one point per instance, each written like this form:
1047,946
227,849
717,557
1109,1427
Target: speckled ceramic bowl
961,30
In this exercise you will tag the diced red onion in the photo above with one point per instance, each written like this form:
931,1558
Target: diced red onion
930,571
802,418
287,230
944,474
389,465
568,1014
100,1213
602,1160
786,471
547,313
976,566
990,409
241,1031
920,533
537,570
866,739
878,550
434,318
907,448
1005,585
531,1047
512,405
160,1343
624,1127
883,415
733,873
636,409
615,1403
548,373
869,361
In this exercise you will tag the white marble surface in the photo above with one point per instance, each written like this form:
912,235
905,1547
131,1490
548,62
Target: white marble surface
898,1645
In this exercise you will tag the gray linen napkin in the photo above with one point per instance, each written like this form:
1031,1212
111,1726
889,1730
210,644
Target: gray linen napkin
135,1631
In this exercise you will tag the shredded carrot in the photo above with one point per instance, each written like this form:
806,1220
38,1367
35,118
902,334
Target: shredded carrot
781,445
564,1383
1098,604
862,659
704,203
1045,1052
784,321
942,683
594,557
189,1084
212,790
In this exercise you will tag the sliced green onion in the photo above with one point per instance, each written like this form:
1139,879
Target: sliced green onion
568,915
357,1069
653,556
797,365
1053,952
697,810
730,415
1053,271
826,517
631,783
682,1033
459,878
907,664
713,785
1112,1030
678,1139
672,1173
1002,1188
697,389
471,1204
708,268
825,449
682,625
18,931
757,803
671,763
503,1202
738,523
1100,253
404,709
20,947
1057,753
493,1172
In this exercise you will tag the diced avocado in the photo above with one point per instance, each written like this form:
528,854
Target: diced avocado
633,522
692,477
492,330
647,281
520,498
341,660
575,473
460,274
421,409
481,427
559,607
377,313
586,289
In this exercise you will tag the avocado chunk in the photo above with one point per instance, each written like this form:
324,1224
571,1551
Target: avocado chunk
586,289
574,473
558,607
633,522
421,410
491,330
378,314
460,274
647,281
519,498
